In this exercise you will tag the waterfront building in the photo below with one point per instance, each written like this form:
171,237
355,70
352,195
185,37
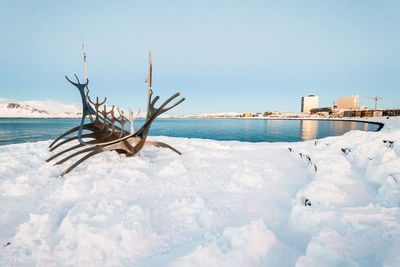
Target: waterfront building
391,112
348,102
272,113
321,110
351,113
248,114
309,102
371,113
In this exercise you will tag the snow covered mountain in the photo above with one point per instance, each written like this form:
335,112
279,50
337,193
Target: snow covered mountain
38,109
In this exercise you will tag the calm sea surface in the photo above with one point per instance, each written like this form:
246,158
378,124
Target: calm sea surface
14,131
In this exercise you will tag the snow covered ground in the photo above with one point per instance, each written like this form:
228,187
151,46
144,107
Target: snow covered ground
219,204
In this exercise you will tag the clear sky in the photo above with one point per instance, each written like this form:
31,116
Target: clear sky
241,56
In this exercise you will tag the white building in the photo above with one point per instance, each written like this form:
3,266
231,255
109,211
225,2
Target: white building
348,102
308,103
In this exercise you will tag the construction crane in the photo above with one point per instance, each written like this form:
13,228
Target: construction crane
376,99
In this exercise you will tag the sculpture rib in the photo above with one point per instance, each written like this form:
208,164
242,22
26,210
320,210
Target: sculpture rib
75,154
70,132
64,151
161,144
72,139
81,160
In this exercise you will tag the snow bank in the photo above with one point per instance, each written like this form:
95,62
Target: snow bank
329,202
243,246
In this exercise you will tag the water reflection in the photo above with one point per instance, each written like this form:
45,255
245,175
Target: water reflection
309,129
337,126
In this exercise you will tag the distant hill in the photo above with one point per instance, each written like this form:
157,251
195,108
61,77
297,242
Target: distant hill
37,109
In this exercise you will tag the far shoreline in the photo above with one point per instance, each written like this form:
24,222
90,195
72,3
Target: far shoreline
381,124
365,120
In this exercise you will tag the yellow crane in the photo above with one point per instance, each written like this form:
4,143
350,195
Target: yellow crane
376,98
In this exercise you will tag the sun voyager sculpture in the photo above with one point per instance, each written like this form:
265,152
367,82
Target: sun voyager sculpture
105,130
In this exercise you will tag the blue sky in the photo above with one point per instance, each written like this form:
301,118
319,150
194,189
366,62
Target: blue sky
241,56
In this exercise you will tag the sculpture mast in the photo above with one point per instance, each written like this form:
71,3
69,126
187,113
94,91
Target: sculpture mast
84,56
84,66
148,81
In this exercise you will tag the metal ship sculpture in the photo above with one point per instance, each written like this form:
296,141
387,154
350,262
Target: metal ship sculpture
106,129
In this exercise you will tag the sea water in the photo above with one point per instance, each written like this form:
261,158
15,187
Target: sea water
18,130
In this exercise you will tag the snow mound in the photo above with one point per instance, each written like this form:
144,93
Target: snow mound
240,246
328,202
